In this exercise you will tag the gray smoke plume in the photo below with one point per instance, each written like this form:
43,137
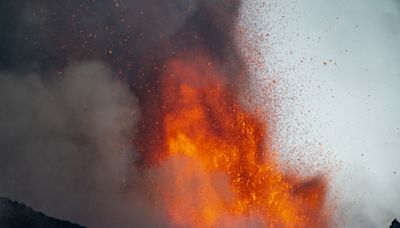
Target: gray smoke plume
68,124
62,146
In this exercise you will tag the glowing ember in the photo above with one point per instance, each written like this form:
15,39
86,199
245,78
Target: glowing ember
217,169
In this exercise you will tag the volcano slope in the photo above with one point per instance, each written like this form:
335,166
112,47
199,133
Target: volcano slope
17,215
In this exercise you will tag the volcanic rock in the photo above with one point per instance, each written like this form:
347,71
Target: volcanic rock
395,224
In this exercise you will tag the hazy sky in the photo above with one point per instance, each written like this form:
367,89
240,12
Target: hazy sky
346,53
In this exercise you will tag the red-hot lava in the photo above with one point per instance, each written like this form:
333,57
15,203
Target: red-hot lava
216,165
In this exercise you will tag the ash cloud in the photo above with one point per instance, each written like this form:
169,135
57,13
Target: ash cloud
135,38
62,146
124,33
74,74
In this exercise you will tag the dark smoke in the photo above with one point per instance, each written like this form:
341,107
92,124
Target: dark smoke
125,34
78,95
60,146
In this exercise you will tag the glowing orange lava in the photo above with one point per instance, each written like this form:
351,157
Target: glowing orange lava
220,172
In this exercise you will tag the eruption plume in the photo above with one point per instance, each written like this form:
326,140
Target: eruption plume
198,128
207,138
200,157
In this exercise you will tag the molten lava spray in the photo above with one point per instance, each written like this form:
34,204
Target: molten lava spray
201,158
204,123
216,165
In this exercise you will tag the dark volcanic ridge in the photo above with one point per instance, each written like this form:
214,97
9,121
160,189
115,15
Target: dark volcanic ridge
18,215
395,224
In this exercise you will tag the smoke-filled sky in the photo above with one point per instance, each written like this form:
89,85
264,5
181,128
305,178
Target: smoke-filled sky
67,106
341,58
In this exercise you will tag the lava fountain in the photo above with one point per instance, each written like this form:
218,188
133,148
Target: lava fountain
210,159
219,169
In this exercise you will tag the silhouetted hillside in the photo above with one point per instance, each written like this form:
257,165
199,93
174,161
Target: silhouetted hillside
395,224
17,215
